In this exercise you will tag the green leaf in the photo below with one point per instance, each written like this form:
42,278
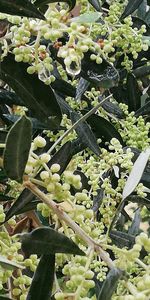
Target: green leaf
25,197
17,149
103,75
135,226
112,108
142,9
85,134
10,98
136,173
122,239
147,17
110,284
37,96
35,123
131,7
90,17
42,282
64,87
46,240
62,157
23,8
134,95
81,88
144,110
142,71
95,4
9,264
103,129
40,3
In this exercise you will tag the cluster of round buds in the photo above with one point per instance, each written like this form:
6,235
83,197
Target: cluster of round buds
143,240
100,268
78,276
2,214
73,179
127,258
21,284
4,276
83,198
134,131
21,34
31,262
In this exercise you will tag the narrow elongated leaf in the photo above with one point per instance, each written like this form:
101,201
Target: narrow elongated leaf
142,71
48,241
18,144
131,7
35,123
63,87
136,173
20,8
103,75
9,264
62,157
110,284
134,95
112,108
147,17
95,4
40,3
38,97
10,98
142,9
103,128
122,239
81,88
134,228
25,197
85,134
144,110
97,200
42,282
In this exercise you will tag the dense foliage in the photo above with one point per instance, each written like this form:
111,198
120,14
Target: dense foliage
74,146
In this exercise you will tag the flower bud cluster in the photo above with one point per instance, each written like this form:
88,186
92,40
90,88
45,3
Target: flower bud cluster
31,262
134,131
21,285
80,279
127,258
2,214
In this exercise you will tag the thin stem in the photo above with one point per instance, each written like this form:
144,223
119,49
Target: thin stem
131,288
82,119
38,182
63,216
141,264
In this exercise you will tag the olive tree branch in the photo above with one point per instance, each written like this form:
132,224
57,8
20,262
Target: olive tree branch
75,227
